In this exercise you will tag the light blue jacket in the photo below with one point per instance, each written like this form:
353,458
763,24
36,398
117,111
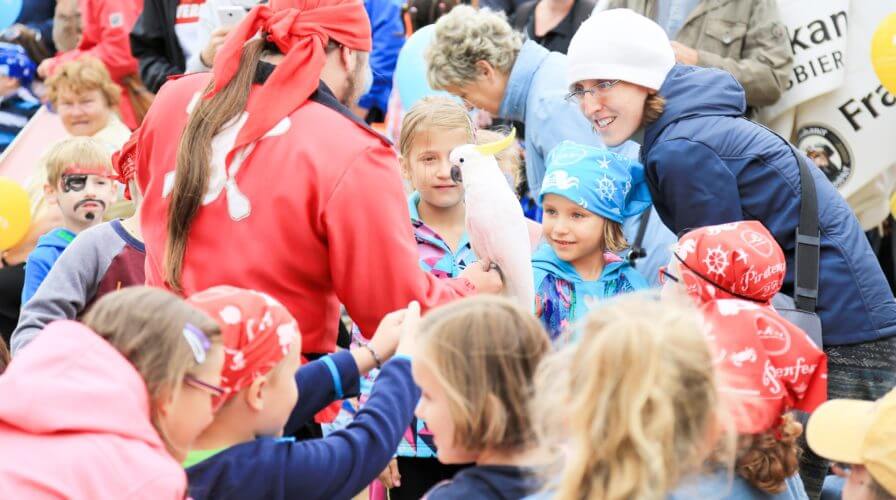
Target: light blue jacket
535,95
723,486
562,296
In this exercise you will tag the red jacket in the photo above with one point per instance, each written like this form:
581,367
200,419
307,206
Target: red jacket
326,220
106,35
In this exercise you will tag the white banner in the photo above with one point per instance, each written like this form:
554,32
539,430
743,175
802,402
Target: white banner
848,131
817,34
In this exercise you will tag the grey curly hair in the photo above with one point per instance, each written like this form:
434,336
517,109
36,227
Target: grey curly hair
465,36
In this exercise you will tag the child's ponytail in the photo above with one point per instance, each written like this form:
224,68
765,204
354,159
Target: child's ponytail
766,460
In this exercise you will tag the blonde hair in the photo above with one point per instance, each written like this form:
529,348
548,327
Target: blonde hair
510,160
630,409
484,351
146,326
766,460
614,238
464,37
81,151
84,74
432,113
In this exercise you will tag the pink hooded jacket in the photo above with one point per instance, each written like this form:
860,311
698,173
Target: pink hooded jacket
74,423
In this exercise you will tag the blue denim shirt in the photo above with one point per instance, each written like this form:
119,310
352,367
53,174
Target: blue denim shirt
535,95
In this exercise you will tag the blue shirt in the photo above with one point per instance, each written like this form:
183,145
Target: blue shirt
388,38
723,486
41,259
535,95
671,14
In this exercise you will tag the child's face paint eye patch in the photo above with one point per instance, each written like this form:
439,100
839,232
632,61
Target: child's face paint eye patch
74,182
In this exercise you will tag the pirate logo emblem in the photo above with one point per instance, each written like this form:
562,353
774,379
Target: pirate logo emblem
827,151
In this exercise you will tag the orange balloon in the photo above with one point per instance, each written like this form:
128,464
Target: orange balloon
883,52
15,213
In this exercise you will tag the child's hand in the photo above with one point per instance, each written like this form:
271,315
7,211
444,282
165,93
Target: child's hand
390,476
409,327
385,339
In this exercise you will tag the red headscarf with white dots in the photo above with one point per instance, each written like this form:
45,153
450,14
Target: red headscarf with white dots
257,331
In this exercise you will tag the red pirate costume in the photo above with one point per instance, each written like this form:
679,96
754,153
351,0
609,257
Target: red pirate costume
304,201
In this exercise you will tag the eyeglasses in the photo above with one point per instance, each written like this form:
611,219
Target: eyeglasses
664,275
601,88
195,383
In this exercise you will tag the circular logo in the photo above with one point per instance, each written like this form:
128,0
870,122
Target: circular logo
827,151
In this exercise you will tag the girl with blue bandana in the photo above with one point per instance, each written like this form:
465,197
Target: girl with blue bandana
17,102
586,194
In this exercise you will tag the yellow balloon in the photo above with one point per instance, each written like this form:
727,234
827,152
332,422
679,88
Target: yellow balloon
883,52
15,213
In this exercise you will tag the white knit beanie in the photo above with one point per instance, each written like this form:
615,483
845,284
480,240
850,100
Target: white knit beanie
619,44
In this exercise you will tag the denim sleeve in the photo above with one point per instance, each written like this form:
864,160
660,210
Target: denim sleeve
550,121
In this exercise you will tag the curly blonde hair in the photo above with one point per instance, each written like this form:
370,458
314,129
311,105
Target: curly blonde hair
630,409
766,460
84,74
464,37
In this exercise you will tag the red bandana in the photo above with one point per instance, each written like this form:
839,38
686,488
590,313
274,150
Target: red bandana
257,332
737,260
124,161
766,364
301,30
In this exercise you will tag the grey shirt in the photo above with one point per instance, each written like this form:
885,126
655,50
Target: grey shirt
101,259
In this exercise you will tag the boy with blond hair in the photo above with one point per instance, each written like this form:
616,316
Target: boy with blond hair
79,183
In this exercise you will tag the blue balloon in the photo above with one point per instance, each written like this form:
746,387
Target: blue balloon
410,70
9,12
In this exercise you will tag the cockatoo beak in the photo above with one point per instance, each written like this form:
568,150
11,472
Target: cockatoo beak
493,148
456,175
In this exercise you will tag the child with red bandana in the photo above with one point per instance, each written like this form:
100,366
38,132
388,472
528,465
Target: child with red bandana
732,271
78,181
767,367
240,455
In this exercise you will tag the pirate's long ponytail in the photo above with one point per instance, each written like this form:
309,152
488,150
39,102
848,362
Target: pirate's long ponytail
194,154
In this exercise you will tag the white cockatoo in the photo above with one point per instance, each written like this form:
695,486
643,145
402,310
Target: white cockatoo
494,218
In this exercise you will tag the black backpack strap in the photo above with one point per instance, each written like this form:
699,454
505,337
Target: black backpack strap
638,251
808,241
807,255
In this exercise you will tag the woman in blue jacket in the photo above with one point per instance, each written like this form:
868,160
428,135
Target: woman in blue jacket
705,165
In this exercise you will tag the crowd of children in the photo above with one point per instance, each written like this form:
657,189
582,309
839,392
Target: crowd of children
601,388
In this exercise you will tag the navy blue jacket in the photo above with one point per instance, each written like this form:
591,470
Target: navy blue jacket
335,467
707,165
493,482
